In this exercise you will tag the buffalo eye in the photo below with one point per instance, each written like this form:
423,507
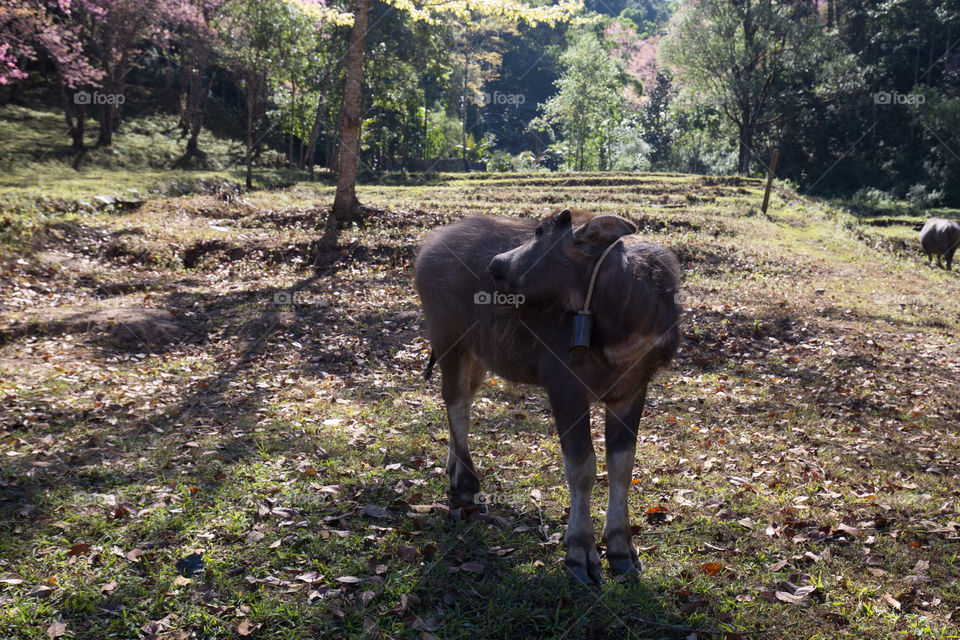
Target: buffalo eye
538,231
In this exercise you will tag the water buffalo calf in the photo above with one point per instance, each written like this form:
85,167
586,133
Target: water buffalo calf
940,237
501,294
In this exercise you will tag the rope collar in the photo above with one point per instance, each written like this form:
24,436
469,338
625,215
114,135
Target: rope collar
583,321
596,270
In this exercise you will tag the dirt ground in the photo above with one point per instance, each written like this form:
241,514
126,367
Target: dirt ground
222,377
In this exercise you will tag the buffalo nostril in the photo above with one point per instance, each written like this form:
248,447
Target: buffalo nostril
498,270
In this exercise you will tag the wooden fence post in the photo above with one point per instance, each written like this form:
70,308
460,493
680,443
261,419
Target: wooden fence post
766,192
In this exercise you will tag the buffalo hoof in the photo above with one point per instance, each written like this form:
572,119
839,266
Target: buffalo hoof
469,505
621,554
584,565
625,565
465,486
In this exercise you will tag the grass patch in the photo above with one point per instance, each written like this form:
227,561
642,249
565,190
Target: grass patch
157,403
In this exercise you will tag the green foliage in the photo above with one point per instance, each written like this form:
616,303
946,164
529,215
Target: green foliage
303,54
443,134
734,81
523,162
628,149
588,101
750,60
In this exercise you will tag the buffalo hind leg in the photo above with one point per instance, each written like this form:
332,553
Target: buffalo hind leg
462,376
571,411
622,421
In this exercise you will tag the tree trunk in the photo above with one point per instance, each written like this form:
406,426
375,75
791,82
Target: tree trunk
603,152
248,157
345,203
75,127
463,112
426,127
579,156
196,119
108,110
314,133
293,121
78,131
106,125
253,82
745,142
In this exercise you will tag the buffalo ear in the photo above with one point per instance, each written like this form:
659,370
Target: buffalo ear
600,232
562,219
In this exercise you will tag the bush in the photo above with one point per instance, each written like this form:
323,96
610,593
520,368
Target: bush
499,162
524,162
919,197
872,196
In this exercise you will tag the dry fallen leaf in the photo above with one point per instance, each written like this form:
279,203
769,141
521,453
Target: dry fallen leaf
120,512
711,568
473,567
799,596
376,511
245,627
777,566
109,587
407,553
56,630
40,591
657,514
407,601
893,602
431,624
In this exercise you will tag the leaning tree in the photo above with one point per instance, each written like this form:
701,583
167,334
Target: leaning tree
345,204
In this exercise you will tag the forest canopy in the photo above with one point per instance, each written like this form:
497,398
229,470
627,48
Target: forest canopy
856,96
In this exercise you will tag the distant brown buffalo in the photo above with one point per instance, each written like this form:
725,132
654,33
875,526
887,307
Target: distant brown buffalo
502,295
940,237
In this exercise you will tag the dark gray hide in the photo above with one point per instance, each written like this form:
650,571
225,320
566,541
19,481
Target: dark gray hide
940,237
500,294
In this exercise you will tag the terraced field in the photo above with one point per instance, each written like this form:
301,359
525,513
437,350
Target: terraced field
214,424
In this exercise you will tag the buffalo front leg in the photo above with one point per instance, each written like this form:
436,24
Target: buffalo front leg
462,376
622,421
572,413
